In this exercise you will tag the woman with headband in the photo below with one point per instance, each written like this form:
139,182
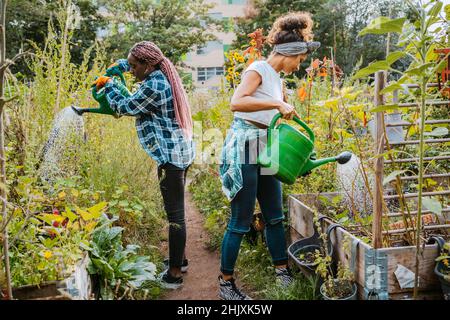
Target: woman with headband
164,128
257,99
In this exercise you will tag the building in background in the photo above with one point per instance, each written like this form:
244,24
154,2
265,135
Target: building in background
206,64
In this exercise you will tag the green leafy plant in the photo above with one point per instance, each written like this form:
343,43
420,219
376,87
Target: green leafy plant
337,285
118,271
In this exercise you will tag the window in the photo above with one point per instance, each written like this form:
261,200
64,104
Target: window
210,47
204,74
235,1
216,16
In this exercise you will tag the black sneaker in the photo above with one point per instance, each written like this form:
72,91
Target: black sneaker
184,266
170,282
284,277
229,291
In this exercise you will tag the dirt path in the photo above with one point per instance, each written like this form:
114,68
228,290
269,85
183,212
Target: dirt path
200,282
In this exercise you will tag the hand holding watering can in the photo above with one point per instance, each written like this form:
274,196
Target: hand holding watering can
288,112
98,91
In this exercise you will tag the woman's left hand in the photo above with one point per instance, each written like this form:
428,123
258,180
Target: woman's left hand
287,111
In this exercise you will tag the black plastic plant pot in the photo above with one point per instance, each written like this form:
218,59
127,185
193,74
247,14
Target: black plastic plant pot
443,273
297,249
352,296
309,245
441,270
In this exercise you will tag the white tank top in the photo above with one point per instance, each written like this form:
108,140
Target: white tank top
269,89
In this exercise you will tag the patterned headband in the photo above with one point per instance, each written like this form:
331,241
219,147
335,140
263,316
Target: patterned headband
296,48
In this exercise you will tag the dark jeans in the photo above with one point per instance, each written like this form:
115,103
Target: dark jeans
267,189
172,181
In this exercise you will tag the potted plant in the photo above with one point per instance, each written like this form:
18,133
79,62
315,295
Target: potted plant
342,287
442,268
304,252
337,285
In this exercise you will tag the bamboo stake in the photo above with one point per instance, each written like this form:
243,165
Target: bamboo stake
409,124
379,163
398,214
2,148
431,227
425,159
415,195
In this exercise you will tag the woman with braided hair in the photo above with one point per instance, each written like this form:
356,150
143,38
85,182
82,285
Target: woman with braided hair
257,99
164,128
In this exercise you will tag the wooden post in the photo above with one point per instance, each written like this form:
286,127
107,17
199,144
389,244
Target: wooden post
379,165
2,146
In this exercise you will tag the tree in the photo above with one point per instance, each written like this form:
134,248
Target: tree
4,66
337,23
176,26
27,22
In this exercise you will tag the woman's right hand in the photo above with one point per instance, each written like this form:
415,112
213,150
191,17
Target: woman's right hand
287,110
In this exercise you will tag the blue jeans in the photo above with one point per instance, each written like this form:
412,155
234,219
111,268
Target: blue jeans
267,189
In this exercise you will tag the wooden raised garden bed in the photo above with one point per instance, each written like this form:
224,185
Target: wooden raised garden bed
378,268
374,268
77,286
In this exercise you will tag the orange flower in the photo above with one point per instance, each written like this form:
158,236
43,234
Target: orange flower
301,92
323,72
315,64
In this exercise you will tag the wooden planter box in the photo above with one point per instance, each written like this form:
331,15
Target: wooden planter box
374,268
44,291
75,287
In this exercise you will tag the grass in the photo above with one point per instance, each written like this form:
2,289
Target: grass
255,270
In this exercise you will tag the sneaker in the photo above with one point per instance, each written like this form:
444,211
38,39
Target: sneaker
184,266
170,282
283,277
229,291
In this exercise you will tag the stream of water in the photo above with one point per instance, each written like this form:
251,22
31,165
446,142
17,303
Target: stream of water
66,134
351,184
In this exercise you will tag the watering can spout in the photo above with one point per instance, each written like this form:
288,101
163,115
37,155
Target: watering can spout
78,111
342,158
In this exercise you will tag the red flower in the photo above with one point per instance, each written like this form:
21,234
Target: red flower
56,212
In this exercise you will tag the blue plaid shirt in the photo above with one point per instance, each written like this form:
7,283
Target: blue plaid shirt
157,129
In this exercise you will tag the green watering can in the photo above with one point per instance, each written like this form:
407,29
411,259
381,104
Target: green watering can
288,151
100,96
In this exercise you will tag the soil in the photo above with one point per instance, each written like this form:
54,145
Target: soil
306,257
200,282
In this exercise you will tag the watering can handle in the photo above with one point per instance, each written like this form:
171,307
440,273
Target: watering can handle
119,74
300,122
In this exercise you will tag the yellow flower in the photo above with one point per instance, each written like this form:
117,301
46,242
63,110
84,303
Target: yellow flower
253,43
47,254
230,70
445,262
237,74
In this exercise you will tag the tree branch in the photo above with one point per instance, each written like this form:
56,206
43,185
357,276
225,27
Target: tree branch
10,62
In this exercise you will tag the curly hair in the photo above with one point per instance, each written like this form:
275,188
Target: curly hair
294,26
